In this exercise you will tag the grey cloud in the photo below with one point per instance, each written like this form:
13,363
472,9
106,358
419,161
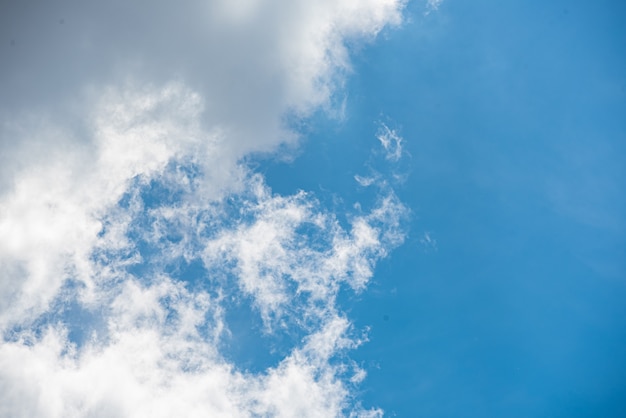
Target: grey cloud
250,66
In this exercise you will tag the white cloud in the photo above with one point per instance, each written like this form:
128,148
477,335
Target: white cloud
365,181
51,217
391,142
275,262
84,226
158,353
137,376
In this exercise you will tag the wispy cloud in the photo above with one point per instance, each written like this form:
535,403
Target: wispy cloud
365,181
391,141
433,5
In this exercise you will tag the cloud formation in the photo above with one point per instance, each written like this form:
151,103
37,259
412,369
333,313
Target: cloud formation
126,169
253,62
391,142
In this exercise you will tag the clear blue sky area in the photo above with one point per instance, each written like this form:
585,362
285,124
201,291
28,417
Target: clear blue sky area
514,120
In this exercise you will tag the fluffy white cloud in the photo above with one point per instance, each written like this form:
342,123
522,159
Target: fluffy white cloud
51,217
112,176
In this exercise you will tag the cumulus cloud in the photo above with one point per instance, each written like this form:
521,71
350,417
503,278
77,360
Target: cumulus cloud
121,166
51,217
253,62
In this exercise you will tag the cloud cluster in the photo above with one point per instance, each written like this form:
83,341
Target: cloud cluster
151,338
125,168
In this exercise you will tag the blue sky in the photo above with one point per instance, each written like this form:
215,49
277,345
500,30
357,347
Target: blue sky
208,220
516,147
